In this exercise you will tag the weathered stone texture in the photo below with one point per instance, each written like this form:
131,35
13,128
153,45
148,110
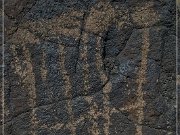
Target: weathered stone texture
78,67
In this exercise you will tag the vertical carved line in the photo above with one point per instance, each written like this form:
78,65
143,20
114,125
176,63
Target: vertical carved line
85,66
83,57
68,89
99,61
92,116
43,67
141,80
107,88
28,82
23,37
44,73
138,107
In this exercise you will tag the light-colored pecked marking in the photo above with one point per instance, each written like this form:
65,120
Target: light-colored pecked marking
99,20
142,80
43,67
23,37
107,110
107,88
92,113
68,89
44,72
85,65
138,106
28,81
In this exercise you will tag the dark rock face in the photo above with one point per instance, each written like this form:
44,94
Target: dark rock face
78,67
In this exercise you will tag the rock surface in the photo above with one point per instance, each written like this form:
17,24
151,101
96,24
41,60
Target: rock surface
78,67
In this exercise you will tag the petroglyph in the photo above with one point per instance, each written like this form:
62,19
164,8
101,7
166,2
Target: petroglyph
106,113
107,87
93,115
83,57
68,89
99,60
141,80
143,15
137,107
28,82
43,67
99,63
99,21
23,37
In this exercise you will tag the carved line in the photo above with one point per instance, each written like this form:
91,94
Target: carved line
141,80
138,106
28,80
92,113
68,89
44,72
83,57
43,67
106,90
